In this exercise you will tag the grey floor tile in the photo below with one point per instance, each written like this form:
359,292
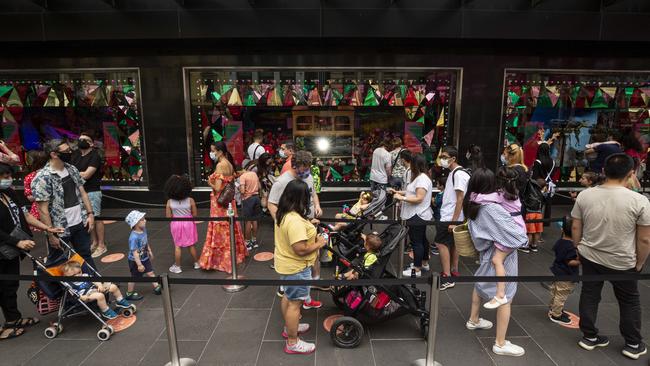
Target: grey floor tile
535,356
398,353
276,323
563,348
272,354
20,350
405,327
259,297
613,352
159,354
65,352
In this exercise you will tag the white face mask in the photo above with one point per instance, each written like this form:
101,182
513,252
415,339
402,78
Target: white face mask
5,184
444,163
503,160
213,156
282,154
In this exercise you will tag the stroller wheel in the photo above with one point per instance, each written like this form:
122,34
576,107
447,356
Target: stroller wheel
346,332
110,329
59,327
127,312
104,334
50,332
424,328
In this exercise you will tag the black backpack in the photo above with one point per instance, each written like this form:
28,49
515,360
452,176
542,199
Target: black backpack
533,198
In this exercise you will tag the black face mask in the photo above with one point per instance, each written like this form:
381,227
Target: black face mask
65,157
83,144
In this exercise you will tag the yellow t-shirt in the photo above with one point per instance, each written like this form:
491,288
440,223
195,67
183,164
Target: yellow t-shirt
293,229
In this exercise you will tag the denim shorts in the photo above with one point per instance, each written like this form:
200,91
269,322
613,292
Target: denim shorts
96,202
295,293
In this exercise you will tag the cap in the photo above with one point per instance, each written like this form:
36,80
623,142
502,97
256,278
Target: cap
134,217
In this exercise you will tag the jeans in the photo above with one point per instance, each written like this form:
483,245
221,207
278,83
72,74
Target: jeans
418,236
80,240
627,295
9,290
300,292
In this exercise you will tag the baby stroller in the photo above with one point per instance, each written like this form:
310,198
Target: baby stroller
374,304
70,302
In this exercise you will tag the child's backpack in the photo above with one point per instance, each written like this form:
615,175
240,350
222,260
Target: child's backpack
533,197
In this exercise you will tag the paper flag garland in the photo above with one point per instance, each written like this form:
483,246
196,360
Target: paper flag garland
610,91
314,98
599,100
371,99
645,94
5,89
637,100
52,100
535,91
513,99
289,100
14,99
235,99
410,99
441,119
428,138
544,100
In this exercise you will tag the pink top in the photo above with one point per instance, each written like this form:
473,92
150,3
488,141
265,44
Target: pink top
513,207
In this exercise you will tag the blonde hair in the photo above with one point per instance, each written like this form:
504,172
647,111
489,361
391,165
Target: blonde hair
68,266
366,196
515,155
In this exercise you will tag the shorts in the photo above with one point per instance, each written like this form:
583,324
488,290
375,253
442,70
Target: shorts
252,206
443,235
536,227
297,293
134,268
96,202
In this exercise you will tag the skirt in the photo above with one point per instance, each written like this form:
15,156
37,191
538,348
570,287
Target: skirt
184,233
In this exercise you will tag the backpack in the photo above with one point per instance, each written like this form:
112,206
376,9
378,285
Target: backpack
533,197
468,171
550,185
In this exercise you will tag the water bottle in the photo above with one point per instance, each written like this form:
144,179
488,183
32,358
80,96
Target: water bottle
231,212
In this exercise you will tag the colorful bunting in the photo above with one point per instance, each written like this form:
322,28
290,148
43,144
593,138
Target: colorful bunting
441,119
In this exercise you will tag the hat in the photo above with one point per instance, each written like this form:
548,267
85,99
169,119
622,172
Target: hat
134,217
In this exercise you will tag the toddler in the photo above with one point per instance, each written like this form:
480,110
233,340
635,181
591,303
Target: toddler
566,263
357,210
588,180
95,291
140,254
372,243
508,197
437,199
179,204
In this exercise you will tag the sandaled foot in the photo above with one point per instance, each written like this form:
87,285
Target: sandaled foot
9,333
22,323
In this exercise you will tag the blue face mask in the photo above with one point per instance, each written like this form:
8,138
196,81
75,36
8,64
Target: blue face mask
5,184
303,175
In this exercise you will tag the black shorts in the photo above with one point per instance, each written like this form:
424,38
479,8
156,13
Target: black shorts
134,268
252,206
443,236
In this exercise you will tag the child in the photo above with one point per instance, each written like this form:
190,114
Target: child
566,263
95,291
587,180
508,197
140,254
357,210
179,204
437,200
249,187
372,243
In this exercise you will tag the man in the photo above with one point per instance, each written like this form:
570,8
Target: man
381,165
63,202
286,152
255,150
603,149
89,163
301,170
611,227
450,211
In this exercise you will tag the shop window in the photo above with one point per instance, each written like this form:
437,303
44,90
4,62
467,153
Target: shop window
579,108
340,116
37,106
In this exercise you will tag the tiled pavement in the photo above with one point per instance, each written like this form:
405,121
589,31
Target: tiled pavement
216,328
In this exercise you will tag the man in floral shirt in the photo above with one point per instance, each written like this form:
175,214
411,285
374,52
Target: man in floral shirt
63,202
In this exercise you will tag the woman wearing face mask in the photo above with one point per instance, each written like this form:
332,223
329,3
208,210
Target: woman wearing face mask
12,220
216,250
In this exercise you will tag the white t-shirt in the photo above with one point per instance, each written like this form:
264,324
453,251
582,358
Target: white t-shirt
70,198
422,209
380,159
455,182
255,150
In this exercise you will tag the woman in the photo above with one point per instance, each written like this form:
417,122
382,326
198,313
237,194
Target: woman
265,175
475,157
11,216
296,251
398,168
490,223
416,209
513,155
216,250
543,171
38,159
633,148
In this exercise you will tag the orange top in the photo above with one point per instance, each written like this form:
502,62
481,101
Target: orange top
286,167
251,184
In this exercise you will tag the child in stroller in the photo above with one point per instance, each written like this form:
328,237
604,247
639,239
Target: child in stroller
372,245
357,210
95,291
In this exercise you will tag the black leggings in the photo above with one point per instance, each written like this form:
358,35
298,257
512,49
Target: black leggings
418,235
9,290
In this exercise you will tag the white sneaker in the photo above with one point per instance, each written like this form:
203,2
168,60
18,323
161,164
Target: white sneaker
482,324
508,349
300,348
175,269
495,302
197,265
426,267
407,273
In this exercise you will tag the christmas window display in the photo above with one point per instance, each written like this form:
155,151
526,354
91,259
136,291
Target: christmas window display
37,106
574,110
338,115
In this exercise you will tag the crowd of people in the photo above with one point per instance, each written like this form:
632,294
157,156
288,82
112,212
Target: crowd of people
607,232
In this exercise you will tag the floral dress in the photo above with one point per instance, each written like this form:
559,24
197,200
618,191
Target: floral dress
216,250
28,192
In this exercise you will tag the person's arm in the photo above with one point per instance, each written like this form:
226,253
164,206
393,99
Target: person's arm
460,196
195,211
32,221
216,183
273,209
576,231
89,209
136,259
303,248
150,251
44,212
389,169
420,193
93,166
573,262
318,212
642,246
590,151
168,210
7,156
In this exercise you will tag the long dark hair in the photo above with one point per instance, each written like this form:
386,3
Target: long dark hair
544,156
506,180
481,182
295,198
263,169
221,146
475,157
418,166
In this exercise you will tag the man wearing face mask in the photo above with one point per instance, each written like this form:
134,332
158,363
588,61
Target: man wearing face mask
286,152
63,201
89,163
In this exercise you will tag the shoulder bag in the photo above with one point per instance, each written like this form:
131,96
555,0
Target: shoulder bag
10,252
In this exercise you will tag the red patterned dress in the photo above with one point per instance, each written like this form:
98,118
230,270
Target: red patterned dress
28,192
216,250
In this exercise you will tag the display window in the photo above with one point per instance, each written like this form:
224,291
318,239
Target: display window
583,115
40,105
339,115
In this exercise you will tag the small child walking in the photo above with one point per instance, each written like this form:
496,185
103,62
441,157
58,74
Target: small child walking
140,254
566,263
180,205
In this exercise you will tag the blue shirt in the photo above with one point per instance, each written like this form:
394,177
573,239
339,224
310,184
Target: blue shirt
138,241
603,151
438,204
564,252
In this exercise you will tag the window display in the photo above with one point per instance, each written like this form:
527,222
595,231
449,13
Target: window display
339,115
40,105
581,114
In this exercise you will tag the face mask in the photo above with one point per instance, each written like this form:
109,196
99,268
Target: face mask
5,184
444,163
503,160
468,155
303,175
282,154
65,157
213,156
83,144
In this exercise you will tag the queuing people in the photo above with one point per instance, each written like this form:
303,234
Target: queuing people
489,223
38,159
416,210
11,219
566,263
611,227
633,148
140,255
380,168
216,253
406,157
255,149
513,156
542,172
180,204
266,178
63,201
287,150
89,163
296,251
587,180
249,187
398,169
450,211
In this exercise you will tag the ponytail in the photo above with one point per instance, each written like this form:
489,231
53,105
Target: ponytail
507,182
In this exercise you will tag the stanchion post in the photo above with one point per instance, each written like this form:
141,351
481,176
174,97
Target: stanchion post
402,248
434,301
233,257
168,310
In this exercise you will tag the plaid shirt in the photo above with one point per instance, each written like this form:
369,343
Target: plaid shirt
47,187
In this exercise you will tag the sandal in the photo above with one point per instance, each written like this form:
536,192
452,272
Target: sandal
13,333
22,323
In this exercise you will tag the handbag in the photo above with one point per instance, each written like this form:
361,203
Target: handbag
10,252
463,241
227,195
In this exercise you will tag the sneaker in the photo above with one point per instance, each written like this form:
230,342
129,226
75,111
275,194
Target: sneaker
482,324
134,296
249,245
299,348
409,272
280,292
175,269
524,249
197,265
455,273
495,302
255,244
426,267
591,344
313,304
109,314
157,290
562,319
534,248
302,329
434,251
98,252
634,352
124,304
508,349
272,266
445,283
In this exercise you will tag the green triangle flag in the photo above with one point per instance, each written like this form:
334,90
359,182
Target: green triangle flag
421,119
402,90
249,100
216,136
336,97
4,89
225,88
628,94
216,96
335,174
370,100
347,89
128,88
599,100
513,98
515,122
575,91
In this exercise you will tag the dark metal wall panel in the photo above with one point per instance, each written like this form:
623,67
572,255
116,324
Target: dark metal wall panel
625,27
18,27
